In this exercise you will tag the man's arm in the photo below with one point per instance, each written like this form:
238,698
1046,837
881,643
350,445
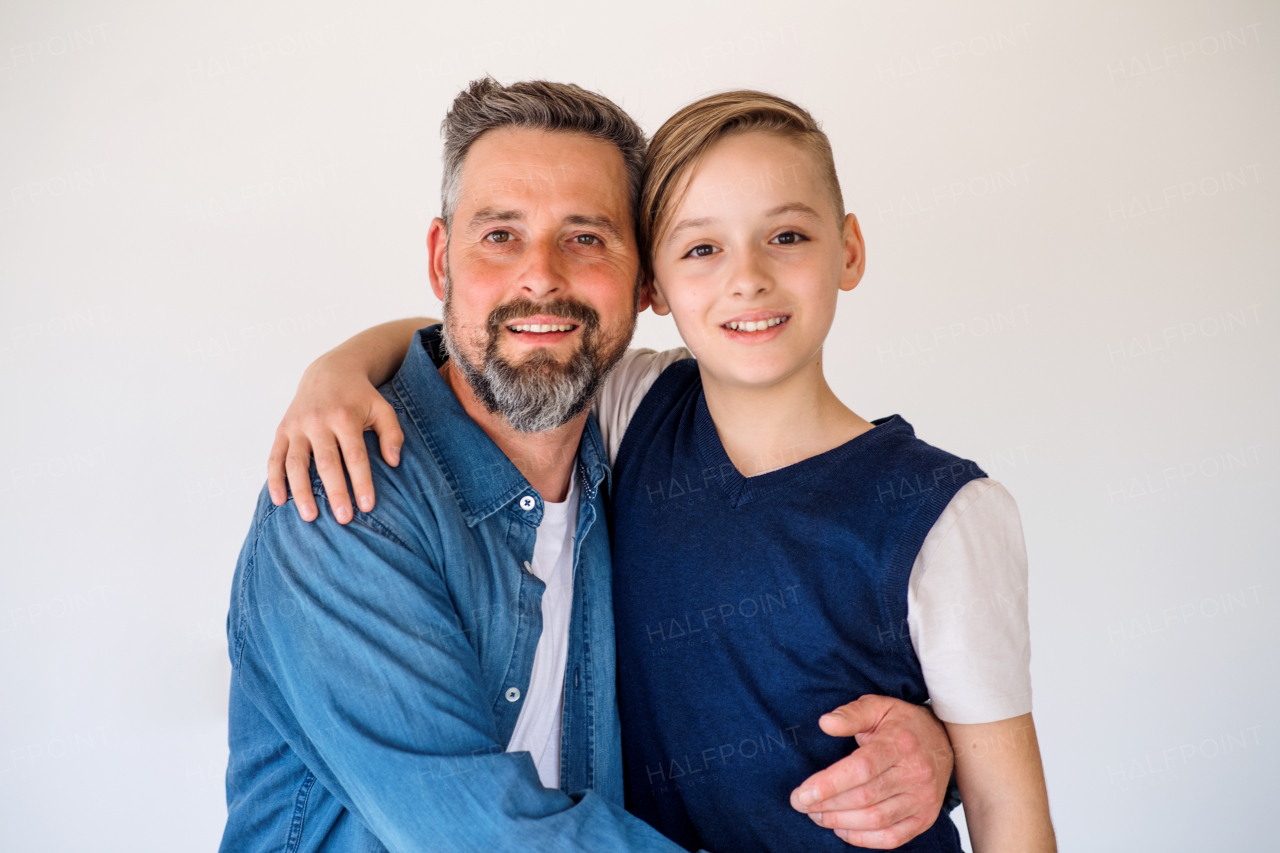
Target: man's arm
891,788
348,641
346,380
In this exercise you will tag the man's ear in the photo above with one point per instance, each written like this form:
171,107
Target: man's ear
855,254
437,251
651,297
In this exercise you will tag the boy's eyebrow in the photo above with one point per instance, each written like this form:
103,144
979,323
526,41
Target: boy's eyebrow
794,207
790,207
685,225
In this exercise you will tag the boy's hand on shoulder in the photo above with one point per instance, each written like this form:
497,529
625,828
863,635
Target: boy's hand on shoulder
334,406
892,787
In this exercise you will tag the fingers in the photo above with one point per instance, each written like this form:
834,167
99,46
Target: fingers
864,765
862,715
889,838
275,469
333,440
328,456
297,465
357,459
881,816
879,789
390,437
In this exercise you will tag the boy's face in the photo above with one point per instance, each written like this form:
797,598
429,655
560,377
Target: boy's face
754,259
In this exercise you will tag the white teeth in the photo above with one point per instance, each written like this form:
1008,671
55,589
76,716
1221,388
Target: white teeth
539,328
756,325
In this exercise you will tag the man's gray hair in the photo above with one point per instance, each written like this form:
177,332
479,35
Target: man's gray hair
540,105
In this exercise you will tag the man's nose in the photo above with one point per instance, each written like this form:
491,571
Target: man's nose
544,273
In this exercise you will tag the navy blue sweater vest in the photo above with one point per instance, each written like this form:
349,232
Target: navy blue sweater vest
748,607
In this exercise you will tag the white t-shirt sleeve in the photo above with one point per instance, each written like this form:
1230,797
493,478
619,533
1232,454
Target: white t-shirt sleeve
626,386
967,608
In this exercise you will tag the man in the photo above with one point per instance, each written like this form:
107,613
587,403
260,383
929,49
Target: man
410,681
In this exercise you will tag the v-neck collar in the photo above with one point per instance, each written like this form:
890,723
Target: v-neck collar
743,490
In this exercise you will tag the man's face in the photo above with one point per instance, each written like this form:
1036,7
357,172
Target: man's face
538,272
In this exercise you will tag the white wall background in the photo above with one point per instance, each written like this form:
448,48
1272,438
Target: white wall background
1071,219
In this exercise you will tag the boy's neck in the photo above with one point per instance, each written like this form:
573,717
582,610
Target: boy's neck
544,458
763,429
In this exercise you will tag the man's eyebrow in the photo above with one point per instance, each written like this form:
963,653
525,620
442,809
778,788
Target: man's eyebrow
685,225
604,223
793,207
492,214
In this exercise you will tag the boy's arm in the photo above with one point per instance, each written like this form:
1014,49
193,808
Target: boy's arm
1006,804
337,401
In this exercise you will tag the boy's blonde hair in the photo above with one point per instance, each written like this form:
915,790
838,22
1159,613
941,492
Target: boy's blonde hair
683,140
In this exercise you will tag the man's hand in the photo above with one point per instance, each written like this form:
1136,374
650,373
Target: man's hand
891,788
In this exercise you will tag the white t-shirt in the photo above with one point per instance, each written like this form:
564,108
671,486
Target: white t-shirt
967,595
537,730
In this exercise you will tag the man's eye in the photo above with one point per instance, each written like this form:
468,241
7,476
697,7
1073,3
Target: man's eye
789,238
498,236
701,251
587,240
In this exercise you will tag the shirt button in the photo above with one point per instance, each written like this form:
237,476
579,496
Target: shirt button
513,694
527,503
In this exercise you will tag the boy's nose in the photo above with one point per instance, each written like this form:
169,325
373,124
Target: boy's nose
750,277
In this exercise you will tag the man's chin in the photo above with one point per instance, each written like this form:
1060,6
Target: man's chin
514,349
548,358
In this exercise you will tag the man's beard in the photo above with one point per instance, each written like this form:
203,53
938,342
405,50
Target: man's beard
539,393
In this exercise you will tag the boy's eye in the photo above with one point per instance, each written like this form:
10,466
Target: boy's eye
789,238
701,251
498,236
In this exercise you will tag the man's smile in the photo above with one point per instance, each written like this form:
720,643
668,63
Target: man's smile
543,328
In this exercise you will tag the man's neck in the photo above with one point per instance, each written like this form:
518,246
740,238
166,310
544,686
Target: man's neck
544,458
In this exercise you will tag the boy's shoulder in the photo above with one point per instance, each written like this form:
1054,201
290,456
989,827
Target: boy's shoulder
907,466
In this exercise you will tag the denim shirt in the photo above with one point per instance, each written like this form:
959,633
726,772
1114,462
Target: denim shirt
378,668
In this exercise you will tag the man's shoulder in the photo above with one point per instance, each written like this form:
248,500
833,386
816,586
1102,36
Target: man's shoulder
288,565
405,516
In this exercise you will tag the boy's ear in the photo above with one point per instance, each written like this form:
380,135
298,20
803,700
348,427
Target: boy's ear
855,254
437,246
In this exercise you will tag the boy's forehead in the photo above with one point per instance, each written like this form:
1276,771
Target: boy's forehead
517,166
750,169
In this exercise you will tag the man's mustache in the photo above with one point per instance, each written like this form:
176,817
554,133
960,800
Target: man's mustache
578,312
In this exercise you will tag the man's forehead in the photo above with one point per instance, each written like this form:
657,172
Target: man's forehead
540,155
511,164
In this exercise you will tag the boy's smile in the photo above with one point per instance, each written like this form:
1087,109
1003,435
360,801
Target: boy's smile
755,327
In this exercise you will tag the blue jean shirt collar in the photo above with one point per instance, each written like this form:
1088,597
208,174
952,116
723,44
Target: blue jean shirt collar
479,473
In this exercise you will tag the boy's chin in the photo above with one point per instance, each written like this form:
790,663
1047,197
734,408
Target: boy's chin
741,373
